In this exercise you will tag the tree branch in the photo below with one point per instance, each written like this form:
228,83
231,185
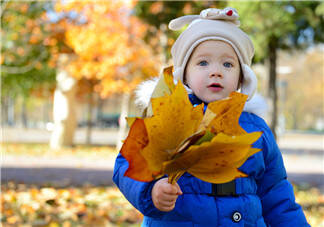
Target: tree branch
22,69
3,7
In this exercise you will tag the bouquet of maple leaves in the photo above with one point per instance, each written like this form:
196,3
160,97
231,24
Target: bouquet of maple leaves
176,137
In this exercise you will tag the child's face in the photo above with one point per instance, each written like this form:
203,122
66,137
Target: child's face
213,70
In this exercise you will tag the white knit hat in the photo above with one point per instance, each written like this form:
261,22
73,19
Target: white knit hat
213,24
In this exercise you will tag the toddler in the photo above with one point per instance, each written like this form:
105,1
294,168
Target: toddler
212,58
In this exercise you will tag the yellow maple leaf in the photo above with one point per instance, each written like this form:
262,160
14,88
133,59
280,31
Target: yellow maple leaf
178,138
136,140
227,113
161,129
164,86
215,161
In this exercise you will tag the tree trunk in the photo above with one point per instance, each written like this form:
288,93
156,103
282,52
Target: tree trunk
64,107
11,111
46,118
4,110
273,93
24,112
89,118
99,109
295,119
122,120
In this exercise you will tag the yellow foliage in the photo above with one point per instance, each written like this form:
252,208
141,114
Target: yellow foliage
109,40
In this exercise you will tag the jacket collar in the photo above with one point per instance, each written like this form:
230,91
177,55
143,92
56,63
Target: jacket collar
195,101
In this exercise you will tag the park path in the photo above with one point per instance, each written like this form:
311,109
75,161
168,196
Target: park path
303,156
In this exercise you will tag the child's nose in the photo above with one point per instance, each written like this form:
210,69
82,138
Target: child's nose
215,72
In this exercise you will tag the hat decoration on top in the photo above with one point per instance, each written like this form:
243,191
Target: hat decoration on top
228,14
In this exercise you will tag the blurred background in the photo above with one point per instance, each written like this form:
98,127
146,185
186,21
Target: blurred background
68,74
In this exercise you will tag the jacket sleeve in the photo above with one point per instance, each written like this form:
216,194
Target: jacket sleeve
137,193
276,193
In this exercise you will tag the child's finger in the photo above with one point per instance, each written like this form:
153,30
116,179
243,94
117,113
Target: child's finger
169,197
167,208
165,203
179,192
170,189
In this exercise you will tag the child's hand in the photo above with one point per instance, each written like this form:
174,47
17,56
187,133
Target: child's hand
164,195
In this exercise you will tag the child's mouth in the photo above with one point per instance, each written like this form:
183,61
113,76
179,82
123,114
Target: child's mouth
215,87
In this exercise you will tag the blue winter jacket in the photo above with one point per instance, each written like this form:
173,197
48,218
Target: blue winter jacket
265,198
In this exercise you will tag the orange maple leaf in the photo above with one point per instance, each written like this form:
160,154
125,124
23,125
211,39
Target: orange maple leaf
179,138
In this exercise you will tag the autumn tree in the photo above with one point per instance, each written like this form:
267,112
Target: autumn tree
107,46
25,54
98,46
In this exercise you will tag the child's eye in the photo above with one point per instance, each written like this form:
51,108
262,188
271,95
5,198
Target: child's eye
203,63
228,64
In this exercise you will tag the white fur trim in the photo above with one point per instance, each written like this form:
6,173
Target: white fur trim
256,105
144,91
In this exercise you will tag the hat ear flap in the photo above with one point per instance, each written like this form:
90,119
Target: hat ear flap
250,81
177,74
178,23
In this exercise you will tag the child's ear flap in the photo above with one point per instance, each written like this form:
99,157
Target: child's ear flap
185,83
249,83
240,81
